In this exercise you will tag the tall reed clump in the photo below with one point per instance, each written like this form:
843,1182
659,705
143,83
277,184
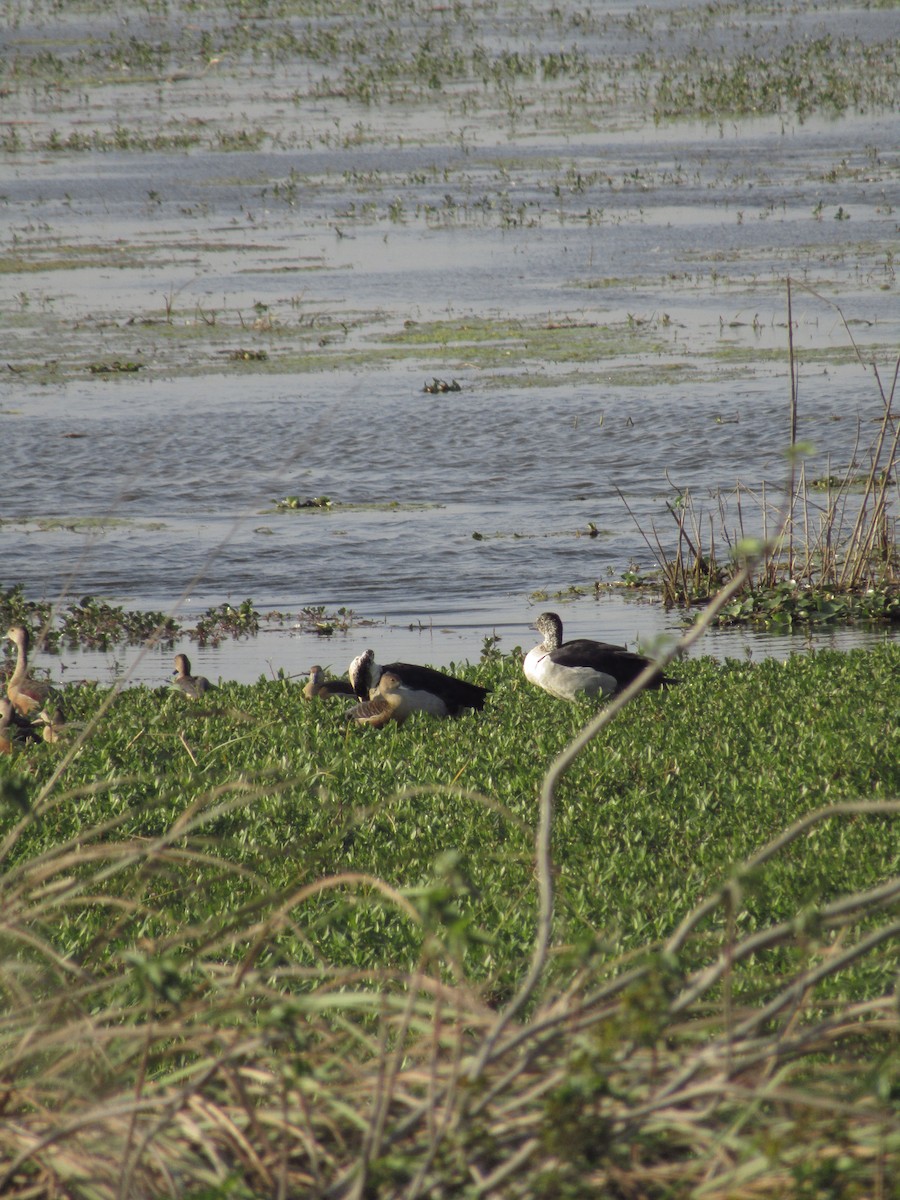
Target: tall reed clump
832,550
185,1060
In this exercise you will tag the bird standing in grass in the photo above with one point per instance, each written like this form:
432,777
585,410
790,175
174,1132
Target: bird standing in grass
25,693
581,667
424,688
192,685
320,688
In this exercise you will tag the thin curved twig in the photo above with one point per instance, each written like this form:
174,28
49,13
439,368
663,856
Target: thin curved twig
558,768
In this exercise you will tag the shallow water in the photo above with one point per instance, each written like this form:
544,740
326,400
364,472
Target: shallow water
611,301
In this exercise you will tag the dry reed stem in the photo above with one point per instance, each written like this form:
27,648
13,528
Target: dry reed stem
827,557
547,803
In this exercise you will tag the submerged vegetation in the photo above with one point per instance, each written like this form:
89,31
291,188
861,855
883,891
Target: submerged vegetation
88,622
814,74
443,80
95,624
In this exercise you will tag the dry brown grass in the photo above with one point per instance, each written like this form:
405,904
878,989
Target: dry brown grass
142,1079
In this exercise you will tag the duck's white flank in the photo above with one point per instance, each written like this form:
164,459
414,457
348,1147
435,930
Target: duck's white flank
582,667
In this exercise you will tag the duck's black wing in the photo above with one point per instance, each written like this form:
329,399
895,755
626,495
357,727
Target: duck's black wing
457,694
622,664
337,687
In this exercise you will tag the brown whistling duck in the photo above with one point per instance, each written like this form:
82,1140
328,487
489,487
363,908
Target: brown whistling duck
24,692
323,689
53,723
192,685
14,727
389,702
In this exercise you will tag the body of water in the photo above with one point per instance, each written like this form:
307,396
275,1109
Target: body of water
195,334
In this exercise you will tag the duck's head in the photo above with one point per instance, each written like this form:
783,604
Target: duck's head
182,665
389,682
360,672
549,626
18,635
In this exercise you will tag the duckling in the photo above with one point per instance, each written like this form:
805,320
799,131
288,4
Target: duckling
192,685
24,692
389,702
53,723
393,699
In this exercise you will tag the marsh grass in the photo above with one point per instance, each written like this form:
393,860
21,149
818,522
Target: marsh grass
565,67
250,952
831,550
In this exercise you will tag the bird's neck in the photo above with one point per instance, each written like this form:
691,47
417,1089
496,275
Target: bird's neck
21,667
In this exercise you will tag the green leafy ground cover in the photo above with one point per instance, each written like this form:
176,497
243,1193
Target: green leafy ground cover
243,943
687,783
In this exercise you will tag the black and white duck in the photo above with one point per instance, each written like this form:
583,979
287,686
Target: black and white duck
423,688
581,667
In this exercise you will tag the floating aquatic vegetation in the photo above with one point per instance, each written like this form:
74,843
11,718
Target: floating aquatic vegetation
438,386
115,368
292,503
227,620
